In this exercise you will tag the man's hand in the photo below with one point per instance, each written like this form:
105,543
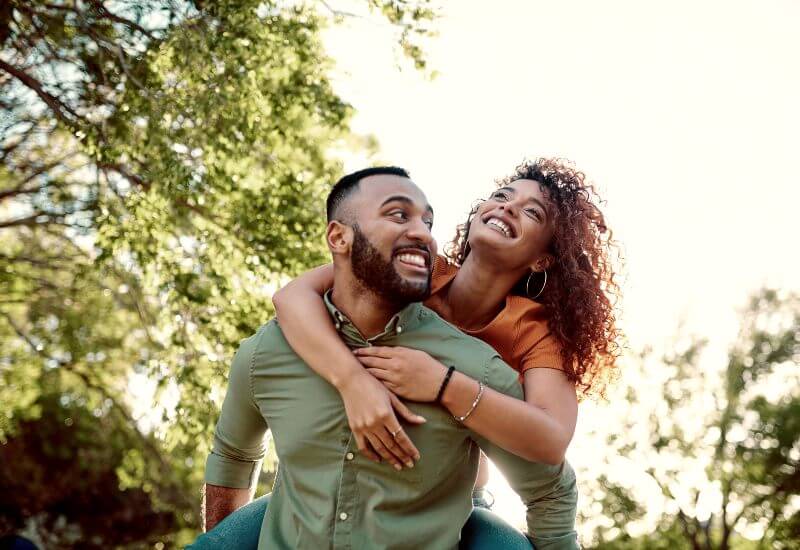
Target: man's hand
219,502
370,409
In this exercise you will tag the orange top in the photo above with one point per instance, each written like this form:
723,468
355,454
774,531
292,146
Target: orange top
519,333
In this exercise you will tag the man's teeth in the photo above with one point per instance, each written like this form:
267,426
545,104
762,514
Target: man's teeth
414,259
501,224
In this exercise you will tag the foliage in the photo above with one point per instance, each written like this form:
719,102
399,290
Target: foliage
163,167
71,456
720,453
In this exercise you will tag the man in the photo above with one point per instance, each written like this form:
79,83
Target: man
326,493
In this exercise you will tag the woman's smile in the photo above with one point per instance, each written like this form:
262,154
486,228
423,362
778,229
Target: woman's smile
500,226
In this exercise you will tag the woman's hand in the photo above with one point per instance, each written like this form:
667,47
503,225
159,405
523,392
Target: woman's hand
370,409
409,373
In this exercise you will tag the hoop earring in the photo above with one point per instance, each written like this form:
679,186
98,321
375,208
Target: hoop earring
528,285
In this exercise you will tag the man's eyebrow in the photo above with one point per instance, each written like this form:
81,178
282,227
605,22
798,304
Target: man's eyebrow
406,200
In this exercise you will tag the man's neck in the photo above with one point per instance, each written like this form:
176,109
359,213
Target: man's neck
369,312
478,292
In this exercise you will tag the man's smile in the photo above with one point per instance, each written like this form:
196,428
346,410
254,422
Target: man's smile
415,259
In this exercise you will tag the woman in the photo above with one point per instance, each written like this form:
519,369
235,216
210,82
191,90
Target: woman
528,273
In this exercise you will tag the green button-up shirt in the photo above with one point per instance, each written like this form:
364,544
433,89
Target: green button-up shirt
327,495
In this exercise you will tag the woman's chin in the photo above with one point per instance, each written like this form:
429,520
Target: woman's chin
492,250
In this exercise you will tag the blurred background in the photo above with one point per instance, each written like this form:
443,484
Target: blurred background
164,168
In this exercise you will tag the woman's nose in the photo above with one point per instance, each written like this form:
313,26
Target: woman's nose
508,207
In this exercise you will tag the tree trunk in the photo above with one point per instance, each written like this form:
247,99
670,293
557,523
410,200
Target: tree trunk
726,528
690,530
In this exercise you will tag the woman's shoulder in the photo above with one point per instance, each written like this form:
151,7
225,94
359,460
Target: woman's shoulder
443,273
526,310
535,346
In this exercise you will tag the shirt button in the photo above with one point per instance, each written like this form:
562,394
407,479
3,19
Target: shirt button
343,516
349,456
399,329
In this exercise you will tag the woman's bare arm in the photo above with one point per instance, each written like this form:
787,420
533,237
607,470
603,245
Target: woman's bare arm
301,311
369,405
539,428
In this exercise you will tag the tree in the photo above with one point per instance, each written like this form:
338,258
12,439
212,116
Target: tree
164,165
719,453
64,464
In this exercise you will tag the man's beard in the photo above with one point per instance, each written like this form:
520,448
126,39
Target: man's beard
380,276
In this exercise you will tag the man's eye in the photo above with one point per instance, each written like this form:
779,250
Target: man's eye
429,223
399,214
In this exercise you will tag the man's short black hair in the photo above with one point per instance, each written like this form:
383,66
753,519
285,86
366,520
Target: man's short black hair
349,183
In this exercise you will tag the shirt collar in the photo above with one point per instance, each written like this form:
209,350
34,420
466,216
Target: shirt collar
404,320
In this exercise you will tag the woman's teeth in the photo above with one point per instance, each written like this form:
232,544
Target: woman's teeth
413,259
501,225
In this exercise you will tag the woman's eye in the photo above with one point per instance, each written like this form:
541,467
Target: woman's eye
535,214
429,223
500,196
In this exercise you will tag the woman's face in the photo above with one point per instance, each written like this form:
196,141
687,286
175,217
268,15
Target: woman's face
514,226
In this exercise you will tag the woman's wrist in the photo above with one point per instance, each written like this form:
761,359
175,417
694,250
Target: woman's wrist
443,386
349,372
459,394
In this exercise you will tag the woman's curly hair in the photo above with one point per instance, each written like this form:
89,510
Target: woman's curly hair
581,293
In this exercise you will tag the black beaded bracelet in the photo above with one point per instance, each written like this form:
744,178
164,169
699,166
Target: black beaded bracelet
444,384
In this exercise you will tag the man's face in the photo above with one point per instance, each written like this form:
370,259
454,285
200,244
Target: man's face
393,250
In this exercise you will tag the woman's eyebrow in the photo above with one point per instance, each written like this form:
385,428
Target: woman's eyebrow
539,203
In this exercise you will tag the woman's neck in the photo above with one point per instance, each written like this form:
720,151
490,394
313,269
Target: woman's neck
478,293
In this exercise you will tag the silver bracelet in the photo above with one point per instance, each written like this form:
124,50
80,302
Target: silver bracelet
481,387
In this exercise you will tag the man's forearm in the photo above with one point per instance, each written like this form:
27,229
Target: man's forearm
219,502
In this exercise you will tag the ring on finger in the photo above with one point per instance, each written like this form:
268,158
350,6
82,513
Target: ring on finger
397,431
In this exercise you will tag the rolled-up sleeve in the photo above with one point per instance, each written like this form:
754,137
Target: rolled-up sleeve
238,447
548,492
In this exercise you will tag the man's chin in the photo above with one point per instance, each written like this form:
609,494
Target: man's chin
416,291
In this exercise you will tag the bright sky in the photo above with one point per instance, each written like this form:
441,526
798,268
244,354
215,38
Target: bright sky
685,113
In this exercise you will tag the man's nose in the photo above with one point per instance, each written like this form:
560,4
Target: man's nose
419,231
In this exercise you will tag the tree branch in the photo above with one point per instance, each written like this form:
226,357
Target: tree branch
56,106
689,531
121,170
103,11
26,221
19,188
780,488
339,13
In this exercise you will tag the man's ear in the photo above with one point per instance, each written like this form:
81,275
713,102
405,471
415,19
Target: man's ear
339,237
543,262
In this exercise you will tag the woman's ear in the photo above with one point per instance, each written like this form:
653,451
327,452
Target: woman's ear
543,262
339,237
